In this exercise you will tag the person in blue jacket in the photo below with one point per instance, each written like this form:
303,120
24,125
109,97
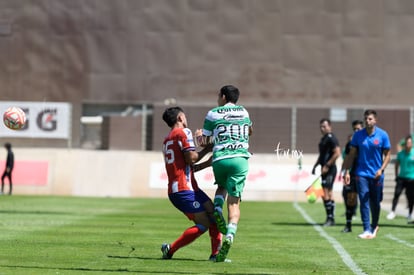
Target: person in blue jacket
371,148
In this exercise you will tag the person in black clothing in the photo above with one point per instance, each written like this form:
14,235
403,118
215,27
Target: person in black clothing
400,184
329,151
9,168
349,192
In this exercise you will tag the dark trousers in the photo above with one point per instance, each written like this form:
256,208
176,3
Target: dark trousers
408,184
9,177
350,196
399,187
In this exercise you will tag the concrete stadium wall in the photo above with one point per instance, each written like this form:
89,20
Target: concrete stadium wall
141,174
84,172
332,52
323,53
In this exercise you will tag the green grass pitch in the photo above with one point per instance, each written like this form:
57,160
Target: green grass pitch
77,235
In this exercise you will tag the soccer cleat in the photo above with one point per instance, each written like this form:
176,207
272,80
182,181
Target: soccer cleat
212,258
220,221
347,229
165,249
365,235
329,222
391,215
221,256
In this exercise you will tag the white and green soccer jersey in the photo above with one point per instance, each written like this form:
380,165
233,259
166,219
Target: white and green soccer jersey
228,125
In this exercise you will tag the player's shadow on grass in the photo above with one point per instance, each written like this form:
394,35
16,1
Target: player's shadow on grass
178,259
152,258
85,269
126,270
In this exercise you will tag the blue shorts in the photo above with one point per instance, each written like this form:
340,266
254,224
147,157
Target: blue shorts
189,202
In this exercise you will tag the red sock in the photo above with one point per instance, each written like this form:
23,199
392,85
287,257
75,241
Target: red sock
215,237
189,235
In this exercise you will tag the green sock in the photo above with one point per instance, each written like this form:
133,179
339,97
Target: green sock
231,229
218,201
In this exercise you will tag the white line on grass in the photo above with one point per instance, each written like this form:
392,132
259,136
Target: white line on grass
392,237
346,258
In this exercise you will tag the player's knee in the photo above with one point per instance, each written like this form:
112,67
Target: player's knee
202,228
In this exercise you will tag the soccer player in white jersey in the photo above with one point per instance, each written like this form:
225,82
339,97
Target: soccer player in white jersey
229,127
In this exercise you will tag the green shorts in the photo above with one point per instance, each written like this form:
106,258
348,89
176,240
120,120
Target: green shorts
231,174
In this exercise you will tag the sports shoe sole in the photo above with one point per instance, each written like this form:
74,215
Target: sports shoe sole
221,256
366,236
221,222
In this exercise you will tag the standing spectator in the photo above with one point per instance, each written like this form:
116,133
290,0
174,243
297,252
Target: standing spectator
229,128
329,151
183,191
399,188
404,177
371,148
349,192
9,168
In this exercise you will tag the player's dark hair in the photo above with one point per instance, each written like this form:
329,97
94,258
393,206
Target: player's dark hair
370,112
170,115
7,145
408,137
357,122
230,92
325,119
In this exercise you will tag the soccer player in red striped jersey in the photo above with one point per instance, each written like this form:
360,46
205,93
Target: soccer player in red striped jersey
180,155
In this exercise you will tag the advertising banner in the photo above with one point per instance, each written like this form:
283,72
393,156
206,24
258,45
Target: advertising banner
261,177
43,120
